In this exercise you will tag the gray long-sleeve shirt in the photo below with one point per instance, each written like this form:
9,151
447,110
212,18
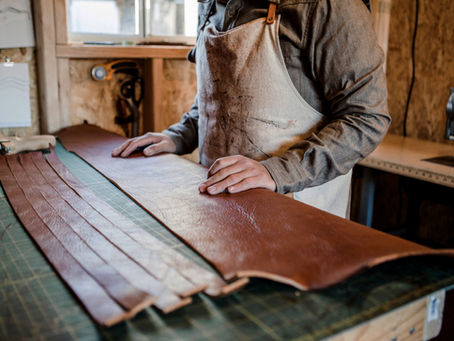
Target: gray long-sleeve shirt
334,61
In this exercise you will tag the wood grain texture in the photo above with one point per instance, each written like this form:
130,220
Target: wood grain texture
434,67
403,324
149,51
61,27
64,92
43,11
170,90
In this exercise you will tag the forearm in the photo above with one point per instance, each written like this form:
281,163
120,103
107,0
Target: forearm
331,152
185,133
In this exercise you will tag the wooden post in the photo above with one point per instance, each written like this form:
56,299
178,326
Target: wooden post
64,82
152,108
43,11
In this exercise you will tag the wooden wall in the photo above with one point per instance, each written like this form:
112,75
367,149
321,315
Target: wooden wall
179,89
434,66
420,211
95,101
25,55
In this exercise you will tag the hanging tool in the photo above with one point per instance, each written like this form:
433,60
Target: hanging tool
131,94
105,72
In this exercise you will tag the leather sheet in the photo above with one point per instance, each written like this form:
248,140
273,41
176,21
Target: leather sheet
214,285
255,233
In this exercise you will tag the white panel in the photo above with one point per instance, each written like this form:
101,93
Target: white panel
14,95
16,24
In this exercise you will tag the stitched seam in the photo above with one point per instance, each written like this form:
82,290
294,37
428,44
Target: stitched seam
309,20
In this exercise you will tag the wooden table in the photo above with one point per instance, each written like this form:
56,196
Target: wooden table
403,156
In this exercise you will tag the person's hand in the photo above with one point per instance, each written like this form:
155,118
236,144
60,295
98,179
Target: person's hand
236,174
156,142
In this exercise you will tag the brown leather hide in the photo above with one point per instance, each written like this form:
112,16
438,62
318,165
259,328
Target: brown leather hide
255,233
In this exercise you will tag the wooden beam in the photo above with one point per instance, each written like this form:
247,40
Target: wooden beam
61,26
157,84
149,51
43,11
64,92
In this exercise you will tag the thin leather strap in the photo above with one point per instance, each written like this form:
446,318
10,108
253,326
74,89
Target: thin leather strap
125,294
142,261
101,307
271,16
97,244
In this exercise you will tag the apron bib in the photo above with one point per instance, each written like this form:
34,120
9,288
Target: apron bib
248,104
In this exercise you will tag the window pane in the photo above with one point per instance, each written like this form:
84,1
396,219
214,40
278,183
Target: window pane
172,17
104,16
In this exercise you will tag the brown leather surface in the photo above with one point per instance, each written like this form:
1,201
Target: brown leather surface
215,286
143,266
114,248
255,233
98,303
68,232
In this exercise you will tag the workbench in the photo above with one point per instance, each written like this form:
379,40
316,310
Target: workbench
404,156
385,302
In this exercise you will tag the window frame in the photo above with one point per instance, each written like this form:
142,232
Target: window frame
126,39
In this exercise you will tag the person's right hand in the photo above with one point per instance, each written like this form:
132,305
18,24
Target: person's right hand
156,142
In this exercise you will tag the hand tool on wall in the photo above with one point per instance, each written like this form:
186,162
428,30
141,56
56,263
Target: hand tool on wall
12,145
105,72
131,94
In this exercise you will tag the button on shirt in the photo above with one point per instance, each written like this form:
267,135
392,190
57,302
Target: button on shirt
333,58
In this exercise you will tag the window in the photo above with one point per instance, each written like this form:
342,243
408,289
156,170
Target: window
132,20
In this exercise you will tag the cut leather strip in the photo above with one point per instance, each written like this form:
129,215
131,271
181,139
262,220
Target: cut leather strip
129,297
194,273
254,233
126,271
101,307
151,262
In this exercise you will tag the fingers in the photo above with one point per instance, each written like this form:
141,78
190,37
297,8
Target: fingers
221,169
228,183
158,143
138,142
119,149
236,174
157,148
223,163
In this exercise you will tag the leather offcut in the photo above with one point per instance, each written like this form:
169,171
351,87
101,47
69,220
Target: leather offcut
255,233
103,309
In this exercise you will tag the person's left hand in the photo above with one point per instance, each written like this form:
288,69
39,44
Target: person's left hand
236,174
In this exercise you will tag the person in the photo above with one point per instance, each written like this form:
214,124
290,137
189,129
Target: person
290,95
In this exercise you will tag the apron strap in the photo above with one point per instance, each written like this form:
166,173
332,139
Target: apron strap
272,11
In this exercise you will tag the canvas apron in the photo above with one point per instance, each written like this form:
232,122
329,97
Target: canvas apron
248,104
